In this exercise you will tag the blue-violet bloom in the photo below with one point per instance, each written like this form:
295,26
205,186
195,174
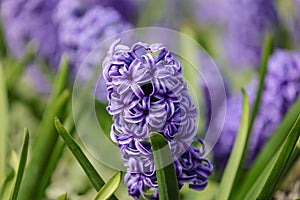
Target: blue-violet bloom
281,90
146,93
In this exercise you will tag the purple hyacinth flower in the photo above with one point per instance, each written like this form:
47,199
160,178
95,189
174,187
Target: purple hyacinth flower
31,21
281,90
82,27
146,93
210,11
247,23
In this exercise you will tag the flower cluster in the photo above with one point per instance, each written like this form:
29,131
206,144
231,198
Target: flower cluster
247,23
146,94
281,90
82,27
31,20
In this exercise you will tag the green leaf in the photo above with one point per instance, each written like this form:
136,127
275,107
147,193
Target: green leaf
165,172
110,187
61,80
3,123
270,149
88,168
285,153
62,197
21,167
235,158
56,154
46,138
260,180
268,172
42,150
6,184
267,50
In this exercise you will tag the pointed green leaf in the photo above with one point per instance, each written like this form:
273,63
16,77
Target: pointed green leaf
267,50
270,149
42,149
260,180
86,165
46,137
165,171
285,153
110,187
5,187
3,123
62,197
21,167
236,155
61,81
56,154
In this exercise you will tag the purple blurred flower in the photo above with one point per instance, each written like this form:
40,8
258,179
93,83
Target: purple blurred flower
146,94
281,90
294,24
244,24
82,27
247,23
31,20
129,9
210,11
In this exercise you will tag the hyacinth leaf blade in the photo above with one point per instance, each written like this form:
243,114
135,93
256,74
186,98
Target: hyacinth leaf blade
285,153
61,80
235,158
294,157
21,167
3,123
90,171
62,197
46,137
57,152
267,50
86,165
256,187
110,187
271,175
42,150
165,172
5,188
270,149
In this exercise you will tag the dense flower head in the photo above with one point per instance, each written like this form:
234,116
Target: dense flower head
281,90
27,21
84,25
146,93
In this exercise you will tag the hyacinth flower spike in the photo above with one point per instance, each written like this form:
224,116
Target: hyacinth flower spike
146,93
